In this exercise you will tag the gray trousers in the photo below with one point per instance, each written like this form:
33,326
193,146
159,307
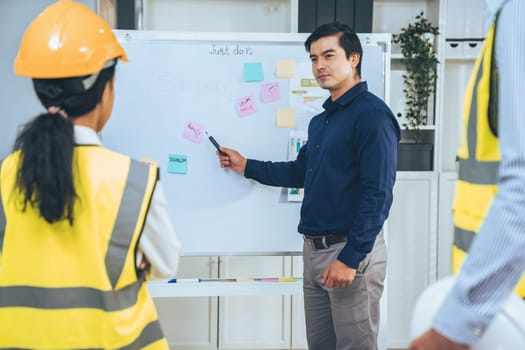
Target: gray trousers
343,318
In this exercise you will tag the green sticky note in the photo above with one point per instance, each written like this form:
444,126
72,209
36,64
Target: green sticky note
177,163
253,71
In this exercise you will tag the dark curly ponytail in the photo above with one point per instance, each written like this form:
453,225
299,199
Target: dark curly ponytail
45,177
45,174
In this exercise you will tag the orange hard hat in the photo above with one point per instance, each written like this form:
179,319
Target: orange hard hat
66,40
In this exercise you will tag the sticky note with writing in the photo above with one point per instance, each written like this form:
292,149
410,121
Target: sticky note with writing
270,92
177,163
253,72
246,105
193,131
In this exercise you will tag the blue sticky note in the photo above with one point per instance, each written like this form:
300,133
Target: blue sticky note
253,71
177,163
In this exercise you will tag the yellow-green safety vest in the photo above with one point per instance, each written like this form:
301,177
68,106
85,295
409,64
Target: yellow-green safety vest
77,287
479,155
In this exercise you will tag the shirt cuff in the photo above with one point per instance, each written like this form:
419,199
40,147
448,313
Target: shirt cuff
458,322
250,169
350,257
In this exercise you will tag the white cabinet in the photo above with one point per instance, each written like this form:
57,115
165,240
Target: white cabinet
191,323
298,323
252,319
447,185
254,322
457,67
465,28
412,232
464,20
456,76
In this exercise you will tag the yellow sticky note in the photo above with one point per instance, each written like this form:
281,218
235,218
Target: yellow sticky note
285,69
285,118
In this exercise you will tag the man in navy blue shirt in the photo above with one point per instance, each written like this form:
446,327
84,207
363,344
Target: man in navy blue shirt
347,169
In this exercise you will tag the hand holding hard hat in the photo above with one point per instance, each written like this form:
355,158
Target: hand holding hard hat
505,332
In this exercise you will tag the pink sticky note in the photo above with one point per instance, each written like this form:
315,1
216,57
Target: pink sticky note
246,105
270,92
193,131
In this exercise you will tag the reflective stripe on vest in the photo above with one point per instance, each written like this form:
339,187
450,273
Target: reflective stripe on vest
126,219
69,298
474,170
463,238
136,192
150,334
478,173
58,298
471,170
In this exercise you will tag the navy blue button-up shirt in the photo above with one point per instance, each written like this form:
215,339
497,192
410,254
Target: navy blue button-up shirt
347,169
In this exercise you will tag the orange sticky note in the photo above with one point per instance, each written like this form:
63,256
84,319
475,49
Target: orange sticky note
285,69
285,118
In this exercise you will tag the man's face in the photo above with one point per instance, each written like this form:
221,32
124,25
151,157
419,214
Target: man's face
332,70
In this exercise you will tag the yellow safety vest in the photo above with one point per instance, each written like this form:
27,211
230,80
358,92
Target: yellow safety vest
77,287
479,155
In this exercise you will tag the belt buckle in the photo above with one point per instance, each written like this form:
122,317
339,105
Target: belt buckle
317,242
323,242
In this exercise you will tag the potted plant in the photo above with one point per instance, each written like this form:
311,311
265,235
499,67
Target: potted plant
419,83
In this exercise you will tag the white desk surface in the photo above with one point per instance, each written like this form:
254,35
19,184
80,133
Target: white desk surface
205,289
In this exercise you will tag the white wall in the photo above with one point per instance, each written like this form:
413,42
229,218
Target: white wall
220,15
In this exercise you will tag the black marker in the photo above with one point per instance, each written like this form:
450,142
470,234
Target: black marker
212,140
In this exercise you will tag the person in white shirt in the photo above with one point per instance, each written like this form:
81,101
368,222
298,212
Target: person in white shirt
158,247
496,259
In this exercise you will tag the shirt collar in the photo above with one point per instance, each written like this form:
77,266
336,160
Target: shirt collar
86,136
346,98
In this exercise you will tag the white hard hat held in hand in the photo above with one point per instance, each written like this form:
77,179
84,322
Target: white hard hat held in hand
505,332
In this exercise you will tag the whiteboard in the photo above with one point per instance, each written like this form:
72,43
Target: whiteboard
173,78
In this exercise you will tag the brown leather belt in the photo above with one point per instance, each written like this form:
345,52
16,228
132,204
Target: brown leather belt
323,242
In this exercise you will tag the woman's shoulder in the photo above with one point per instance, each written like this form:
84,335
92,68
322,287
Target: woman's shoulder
10,161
